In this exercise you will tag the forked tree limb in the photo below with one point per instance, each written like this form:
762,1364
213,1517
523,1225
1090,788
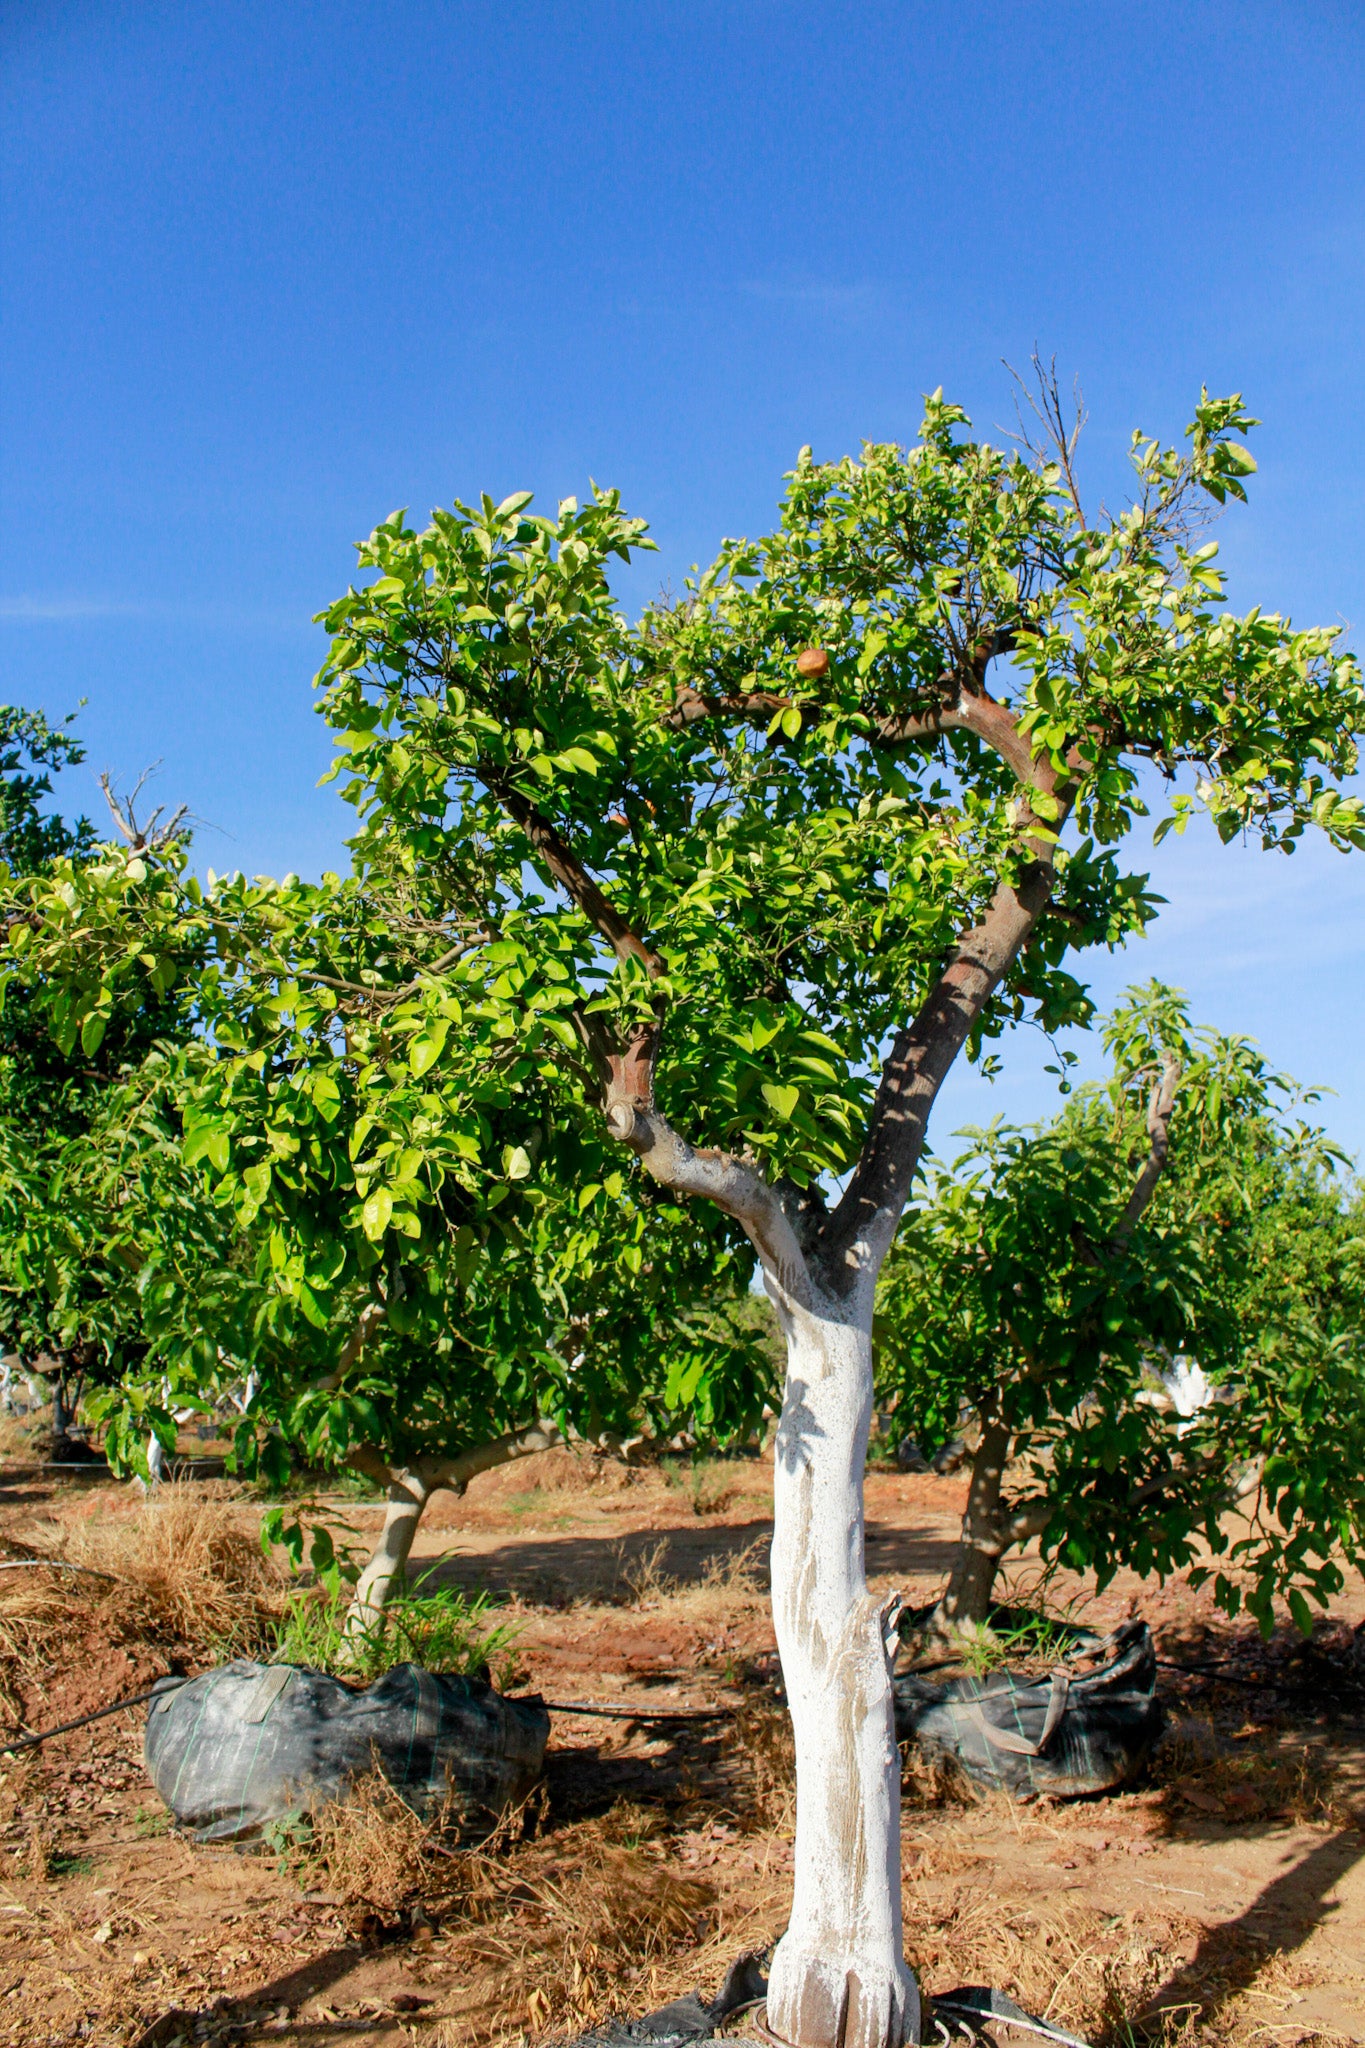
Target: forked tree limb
568,870
1160,1107
436,1471
849,1249
734,1185
409,1486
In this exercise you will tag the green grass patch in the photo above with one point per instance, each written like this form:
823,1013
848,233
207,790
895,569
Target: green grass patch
441,1631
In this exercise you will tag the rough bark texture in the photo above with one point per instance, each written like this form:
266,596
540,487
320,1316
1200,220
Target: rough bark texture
966,1598
389,1561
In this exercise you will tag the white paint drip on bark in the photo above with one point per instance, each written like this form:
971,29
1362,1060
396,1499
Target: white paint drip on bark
839,1977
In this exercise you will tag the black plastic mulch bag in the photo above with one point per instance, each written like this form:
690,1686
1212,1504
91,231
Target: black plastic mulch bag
248,1744
965,2012
1068,1734
686,2019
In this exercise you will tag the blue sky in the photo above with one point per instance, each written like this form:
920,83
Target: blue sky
270,271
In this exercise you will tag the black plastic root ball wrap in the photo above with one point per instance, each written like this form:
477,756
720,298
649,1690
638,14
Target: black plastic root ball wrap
249,1744
960,2016
1068,1734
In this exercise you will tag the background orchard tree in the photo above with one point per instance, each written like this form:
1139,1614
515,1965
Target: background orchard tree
1050,1280
424,1274
806,824
66,1309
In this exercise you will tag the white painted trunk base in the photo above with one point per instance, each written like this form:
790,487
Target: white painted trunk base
839,1977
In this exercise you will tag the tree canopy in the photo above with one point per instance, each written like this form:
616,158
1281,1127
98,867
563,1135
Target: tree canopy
1044,1292
732,886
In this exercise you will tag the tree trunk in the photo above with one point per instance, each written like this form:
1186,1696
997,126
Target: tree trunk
409,1488
966,1599
839,1978
408,1496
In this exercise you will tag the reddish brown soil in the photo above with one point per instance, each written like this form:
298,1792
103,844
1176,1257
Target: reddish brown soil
1228,1894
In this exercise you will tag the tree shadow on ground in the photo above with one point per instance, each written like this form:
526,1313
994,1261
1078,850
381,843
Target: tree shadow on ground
1230,1957
551,1571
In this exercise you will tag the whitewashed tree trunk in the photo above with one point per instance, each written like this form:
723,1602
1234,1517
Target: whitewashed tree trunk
839,1975
839,1978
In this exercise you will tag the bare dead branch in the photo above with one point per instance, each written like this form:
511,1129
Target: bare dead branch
1043,397
149,837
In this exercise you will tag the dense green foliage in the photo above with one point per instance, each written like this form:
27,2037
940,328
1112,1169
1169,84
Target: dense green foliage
716,866
344,1180
1016,1297
674,822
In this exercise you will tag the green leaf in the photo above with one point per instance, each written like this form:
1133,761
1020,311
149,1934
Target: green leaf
326,1096
425,1050
781,1099
376,1212
207,1141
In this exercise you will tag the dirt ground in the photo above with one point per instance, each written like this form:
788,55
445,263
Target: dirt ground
1223,1900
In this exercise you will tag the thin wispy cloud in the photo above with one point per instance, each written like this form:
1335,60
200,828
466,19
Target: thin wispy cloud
58,610
822,293
40,609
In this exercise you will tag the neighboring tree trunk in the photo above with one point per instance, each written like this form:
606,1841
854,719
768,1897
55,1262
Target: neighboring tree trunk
966,1599
409,1489
67,1382
838,1974
989,1526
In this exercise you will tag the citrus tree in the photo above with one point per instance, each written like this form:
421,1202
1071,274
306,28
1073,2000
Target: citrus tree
423,1275
1051,1280
65,1307
755,871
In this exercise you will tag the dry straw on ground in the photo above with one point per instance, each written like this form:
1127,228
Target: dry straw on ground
177,1570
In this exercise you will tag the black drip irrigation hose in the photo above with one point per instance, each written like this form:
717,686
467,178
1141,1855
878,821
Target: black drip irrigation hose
158,1691
627,1713
173,1680
641,1713
1219,1673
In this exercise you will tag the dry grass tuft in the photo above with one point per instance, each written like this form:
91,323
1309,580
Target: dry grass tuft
645,1583
1286,1781
375,1852
565,1932
186,1560
759,1739
177,1568
581,1471
1087,1971
728,1589
934,1781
